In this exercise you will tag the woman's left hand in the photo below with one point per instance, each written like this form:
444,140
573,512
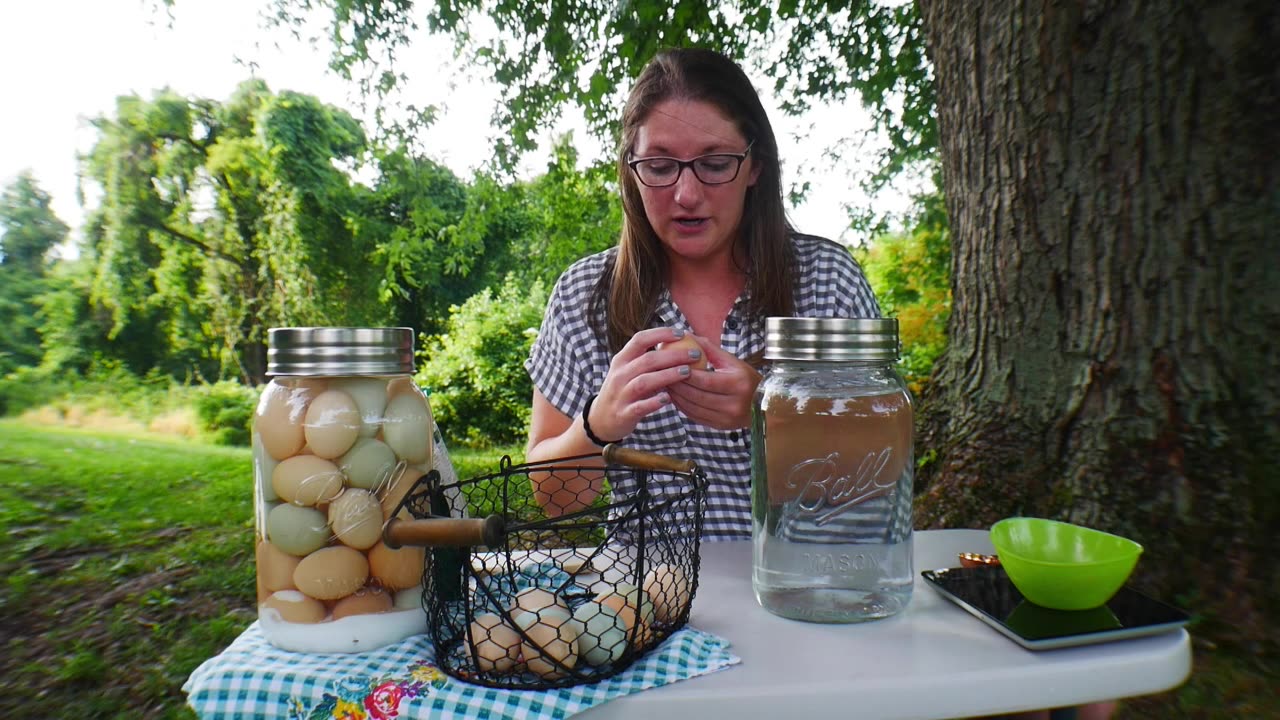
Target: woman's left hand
719,397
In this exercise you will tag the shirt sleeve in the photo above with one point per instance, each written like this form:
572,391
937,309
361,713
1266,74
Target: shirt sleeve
831,283
559,360
856,298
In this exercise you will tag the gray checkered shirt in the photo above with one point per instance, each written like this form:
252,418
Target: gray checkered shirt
568,362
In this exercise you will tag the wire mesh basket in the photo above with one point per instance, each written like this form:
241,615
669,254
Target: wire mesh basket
570,571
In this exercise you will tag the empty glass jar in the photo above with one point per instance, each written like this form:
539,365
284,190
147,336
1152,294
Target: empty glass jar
832,469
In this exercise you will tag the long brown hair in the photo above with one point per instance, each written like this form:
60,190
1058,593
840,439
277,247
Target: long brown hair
632,286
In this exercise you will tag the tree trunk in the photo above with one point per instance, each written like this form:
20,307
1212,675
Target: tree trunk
1111,174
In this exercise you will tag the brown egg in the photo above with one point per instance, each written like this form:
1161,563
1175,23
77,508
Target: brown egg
534,599
688,343
497,644
397,569
294,607
278,421
307,480
275,567
624,600
668,587
332,424
331,573
356,518
365,601
555,638
401,483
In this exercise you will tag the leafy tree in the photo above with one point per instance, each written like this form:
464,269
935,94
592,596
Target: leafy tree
474,371
29,230
220,220
577,213
911,275
428,265
548,55
1110,178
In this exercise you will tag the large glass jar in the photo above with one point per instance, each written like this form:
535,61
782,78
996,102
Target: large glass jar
832,469
340,434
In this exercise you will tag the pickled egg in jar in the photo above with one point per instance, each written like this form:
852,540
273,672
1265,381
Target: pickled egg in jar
340,434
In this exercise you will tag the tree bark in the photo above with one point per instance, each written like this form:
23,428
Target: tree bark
1111,174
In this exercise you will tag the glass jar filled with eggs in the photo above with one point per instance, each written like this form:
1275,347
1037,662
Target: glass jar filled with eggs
340,435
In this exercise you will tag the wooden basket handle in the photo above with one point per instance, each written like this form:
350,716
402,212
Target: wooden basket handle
639,459
442,531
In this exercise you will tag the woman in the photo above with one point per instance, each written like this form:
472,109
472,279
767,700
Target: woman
706,250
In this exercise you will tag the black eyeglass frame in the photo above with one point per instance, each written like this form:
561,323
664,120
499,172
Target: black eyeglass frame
682,164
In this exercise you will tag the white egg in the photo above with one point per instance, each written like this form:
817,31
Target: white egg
407,427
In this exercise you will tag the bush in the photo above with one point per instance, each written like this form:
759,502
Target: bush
28,387
474,372
911,276
225,410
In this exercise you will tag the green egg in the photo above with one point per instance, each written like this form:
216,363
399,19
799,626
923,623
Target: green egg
368,464
602,636
297,530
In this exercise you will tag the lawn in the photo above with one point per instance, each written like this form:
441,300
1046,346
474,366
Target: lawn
128,560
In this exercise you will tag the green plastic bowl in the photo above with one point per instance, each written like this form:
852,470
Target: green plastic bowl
1063,566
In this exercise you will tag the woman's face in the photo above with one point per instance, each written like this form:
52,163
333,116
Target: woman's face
694,221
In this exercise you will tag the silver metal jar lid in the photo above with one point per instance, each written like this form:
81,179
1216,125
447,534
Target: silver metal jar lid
317,351
831,339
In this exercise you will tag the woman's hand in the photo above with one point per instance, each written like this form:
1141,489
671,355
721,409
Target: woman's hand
640,381
720,397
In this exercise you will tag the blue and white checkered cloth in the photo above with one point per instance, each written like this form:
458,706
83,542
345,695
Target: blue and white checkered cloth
254,679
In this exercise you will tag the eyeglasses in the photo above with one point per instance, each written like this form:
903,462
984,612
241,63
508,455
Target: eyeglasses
713,169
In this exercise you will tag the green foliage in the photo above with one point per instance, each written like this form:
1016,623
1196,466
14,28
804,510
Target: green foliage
219,220
225,410
911,275
412,216
546,56
27,387
29,229
474,372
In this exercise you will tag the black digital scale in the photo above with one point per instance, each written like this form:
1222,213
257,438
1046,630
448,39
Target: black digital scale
987,593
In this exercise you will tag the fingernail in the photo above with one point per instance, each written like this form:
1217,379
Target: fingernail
684,370
664,398
678,332
695,354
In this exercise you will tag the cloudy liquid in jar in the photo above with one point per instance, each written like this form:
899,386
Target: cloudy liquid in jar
832,486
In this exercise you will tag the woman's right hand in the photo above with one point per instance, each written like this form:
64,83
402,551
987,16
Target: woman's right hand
637,382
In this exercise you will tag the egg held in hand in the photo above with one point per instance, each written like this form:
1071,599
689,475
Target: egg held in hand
687,343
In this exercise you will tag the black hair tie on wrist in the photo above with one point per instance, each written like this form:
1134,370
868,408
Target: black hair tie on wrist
586,424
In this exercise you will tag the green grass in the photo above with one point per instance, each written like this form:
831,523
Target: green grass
126,561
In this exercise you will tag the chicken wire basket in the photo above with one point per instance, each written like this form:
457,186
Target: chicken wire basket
566,586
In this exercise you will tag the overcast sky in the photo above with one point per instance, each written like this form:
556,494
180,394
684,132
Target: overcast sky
64,61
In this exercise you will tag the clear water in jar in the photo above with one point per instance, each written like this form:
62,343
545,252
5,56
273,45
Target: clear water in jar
832,503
